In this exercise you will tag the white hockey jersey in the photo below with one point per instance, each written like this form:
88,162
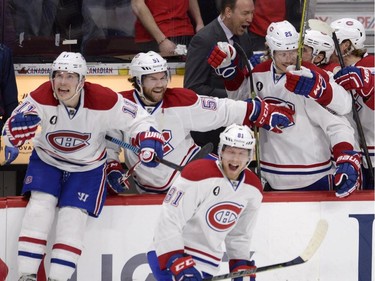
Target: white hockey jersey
75,142
204,214
301,155
180,112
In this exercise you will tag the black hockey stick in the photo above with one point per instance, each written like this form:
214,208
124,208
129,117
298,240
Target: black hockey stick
201,154
314,244
362,139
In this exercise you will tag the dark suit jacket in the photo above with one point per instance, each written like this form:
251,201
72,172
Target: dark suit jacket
199,75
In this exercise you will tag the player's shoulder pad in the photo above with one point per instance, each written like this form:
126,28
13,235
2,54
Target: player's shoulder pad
175,97
252,179
367,61
317,69
128,95
201,169
98,97
263,67
44,95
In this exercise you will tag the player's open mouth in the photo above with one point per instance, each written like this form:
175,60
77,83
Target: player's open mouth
233,167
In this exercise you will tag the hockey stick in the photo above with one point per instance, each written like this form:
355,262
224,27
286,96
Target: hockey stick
302,34
314,244
362,139
253,95
201,154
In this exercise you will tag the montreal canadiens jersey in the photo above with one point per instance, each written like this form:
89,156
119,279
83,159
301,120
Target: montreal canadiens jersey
75,142
301,155
180,112
204,214
365,112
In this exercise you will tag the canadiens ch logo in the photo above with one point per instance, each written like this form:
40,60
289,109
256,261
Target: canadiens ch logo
223,215
67,141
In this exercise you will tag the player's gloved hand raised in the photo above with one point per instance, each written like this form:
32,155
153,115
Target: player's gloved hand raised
348,175
116,179
182,268
256,59
305,82
270,117
21,127
151,147
238,265
223,58
356,78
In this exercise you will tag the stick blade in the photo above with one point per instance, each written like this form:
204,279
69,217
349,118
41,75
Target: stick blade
321,26
317,239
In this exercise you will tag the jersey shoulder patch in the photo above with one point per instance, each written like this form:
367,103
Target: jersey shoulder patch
252,179
98,97
175,97
263,67
44,95
128,95
201,169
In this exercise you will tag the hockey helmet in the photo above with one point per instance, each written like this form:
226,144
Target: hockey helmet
70,62
237,136
282,36
350,29
147,63
319,42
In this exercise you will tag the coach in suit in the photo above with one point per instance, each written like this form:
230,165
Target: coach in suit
231,25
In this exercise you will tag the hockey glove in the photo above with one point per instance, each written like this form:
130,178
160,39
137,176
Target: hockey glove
151,147
116,179
270,117
348,175
21,127
256,59
11,153
356,78
223,58
305,82
182,268
238,265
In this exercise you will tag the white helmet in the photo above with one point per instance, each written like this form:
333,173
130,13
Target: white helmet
147,63
350,29
282,36
70,62
237,136
319,42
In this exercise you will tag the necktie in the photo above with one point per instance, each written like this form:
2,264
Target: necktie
235,39
237,45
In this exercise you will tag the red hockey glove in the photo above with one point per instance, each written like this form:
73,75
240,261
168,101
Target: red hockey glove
271,117
348,175
116,180
223,58
305,82
21,127
356,78
151,145
182,268
238,265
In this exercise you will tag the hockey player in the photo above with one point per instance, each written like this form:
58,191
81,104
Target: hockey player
358,77
67,166
177,112
212,203
307,164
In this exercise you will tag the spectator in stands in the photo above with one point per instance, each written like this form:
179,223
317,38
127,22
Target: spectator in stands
67,166
231,25
162,25
8,85
358,77
268,11
178,111
212,205
308,165
209,10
